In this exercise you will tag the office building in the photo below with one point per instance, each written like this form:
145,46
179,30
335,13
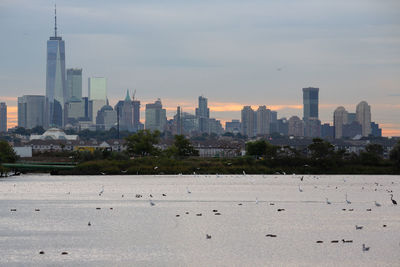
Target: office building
233,126
203,110
55,80
273,125
190,123
375,130
363,117
327,131
156,117
178,121
203,115
74,83
215,126
351,130
97,94
248,121
31,111
74,110
310,103
282,126
340,117
3,117
310,112
263,120
295,126
106,118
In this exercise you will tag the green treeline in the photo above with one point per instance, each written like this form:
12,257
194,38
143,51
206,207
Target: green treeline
143,157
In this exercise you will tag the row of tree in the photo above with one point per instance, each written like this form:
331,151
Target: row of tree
320,151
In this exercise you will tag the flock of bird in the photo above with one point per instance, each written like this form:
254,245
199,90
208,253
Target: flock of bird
208,236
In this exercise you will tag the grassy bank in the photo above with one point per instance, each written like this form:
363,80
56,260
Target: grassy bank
248,165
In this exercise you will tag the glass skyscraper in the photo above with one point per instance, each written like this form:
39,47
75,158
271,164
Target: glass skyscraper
3,117
310,103
56,92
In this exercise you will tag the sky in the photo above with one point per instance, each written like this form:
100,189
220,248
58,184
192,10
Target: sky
233,52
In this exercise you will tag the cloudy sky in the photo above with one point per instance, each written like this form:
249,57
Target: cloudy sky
234,53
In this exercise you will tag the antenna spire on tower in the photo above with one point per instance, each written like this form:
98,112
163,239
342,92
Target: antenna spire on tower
55,20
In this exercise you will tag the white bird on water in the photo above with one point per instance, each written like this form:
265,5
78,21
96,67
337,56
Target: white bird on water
256,200
327,201
377,204
151,202
300,189
188,191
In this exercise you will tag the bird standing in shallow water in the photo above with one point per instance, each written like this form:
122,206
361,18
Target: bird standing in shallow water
347,201
328,202
393,201
364,248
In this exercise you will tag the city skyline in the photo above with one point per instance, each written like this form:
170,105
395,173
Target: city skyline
226,96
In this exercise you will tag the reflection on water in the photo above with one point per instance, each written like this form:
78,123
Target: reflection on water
241,220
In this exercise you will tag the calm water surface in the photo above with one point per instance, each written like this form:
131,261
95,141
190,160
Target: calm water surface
128,231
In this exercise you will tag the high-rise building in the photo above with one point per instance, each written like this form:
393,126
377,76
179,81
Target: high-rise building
3,117
129,113
283,126
31,111
352,129
310,103
215,126
178,121
203,114
340,117
74,110
106,118
363,116
248,121
310,112
74,83
156,117
295,126
273,125
97,94
263,120
327,131
203,110
375,130
56,92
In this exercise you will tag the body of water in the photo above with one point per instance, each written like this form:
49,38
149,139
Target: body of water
204,220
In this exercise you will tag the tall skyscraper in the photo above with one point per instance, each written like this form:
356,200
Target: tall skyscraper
203,114
156,117
363,116
56,92
74,83
178,121
203,110
312,126
3,117
248,120
31,111
263,120
340,118
97,93
310,103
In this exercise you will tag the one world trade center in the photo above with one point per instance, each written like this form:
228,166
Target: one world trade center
55,79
